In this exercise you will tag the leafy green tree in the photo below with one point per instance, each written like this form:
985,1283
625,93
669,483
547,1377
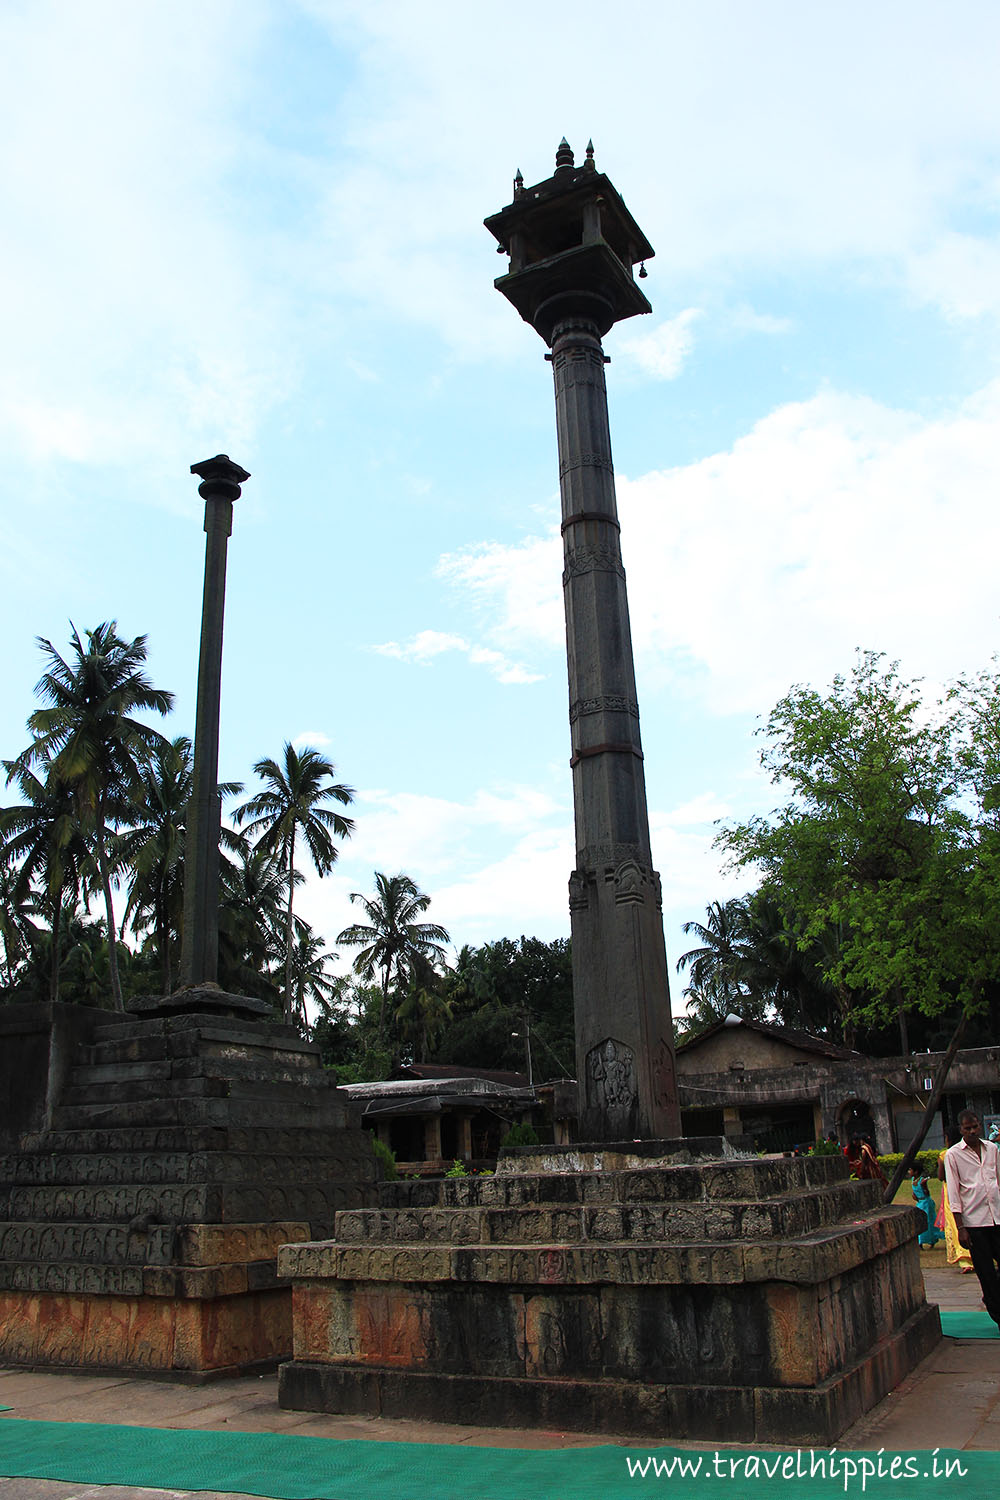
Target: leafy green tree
504,993
88,738
888,838
292,803
393,940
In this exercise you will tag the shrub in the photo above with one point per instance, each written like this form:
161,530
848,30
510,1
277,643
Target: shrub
520,1134
926,1162
457,1169
386,1158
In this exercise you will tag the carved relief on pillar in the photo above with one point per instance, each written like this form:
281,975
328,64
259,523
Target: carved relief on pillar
581,560
611,1082
579,896
630,882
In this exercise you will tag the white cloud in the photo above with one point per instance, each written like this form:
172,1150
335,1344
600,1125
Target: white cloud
134,315
315,739
495,863
515,587
663,351
745,319
960,273
833,523
426,645
812,150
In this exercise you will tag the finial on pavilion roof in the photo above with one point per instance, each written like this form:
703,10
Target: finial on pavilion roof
564,155
590,164
518,184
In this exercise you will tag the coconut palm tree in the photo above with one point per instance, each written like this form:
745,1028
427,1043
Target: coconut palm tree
425,1011
153,848
41,844
293,803
253,896
725,970
310,979
88,738
393,940
18,932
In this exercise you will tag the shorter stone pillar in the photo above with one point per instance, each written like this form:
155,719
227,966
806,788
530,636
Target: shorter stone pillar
220,487
432,1138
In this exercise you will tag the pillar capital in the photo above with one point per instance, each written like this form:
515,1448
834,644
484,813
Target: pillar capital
220,478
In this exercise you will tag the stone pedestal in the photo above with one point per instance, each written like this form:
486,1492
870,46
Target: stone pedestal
139,1232
639,1290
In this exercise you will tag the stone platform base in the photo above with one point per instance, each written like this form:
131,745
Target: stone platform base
729,1414
141,1215
619,1291
147,1335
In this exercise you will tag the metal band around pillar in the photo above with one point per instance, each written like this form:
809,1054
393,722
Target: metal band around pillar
613,747
590,515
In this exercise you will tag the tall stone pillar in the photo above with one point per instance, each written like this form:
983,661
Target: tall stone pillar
220,487
572,245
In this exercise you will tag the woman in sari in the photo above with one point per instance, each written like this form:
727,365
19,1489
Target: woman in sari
958,1255
864,1162
922,1197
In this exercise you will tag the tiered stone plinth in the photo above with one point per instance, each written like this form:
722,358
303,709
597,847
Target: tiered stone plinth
140,1232
636,1290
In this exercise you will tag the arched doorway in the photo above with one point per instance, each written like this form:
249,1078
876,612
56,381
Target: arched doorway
854,1118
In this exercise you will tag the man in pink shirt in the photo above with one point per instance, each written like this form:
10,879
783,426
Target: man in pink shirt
972,1172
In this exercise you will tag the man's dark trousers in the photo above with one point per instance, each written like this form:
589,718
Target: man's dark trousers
984,1247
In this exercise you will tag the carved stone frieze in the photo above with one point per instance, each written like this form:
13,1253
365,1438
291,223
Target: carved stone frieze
586,461
582,560
610,703
605,857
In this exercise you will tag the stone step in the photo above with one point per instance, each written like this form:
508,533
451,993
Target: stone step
320,1110
266,1033
750,1181
45,1244
816,1257
202,1043
193,1082
197,1203
41,1243
612,1221
263,1068
294,1140
59,1168
118,1280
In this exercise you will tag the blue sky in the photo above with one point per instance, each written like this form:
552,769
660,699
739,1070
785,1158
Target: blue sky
257,228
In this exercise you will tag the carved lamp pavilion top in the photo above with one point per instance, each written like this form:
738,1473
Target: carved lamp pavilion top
572,245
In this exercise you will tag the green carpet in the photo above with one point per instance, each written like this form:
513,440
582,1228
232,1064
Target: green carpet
969,1323
310,1468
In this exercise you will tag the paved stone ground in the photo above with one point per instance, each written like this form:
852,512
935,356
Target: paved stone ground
951,1401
